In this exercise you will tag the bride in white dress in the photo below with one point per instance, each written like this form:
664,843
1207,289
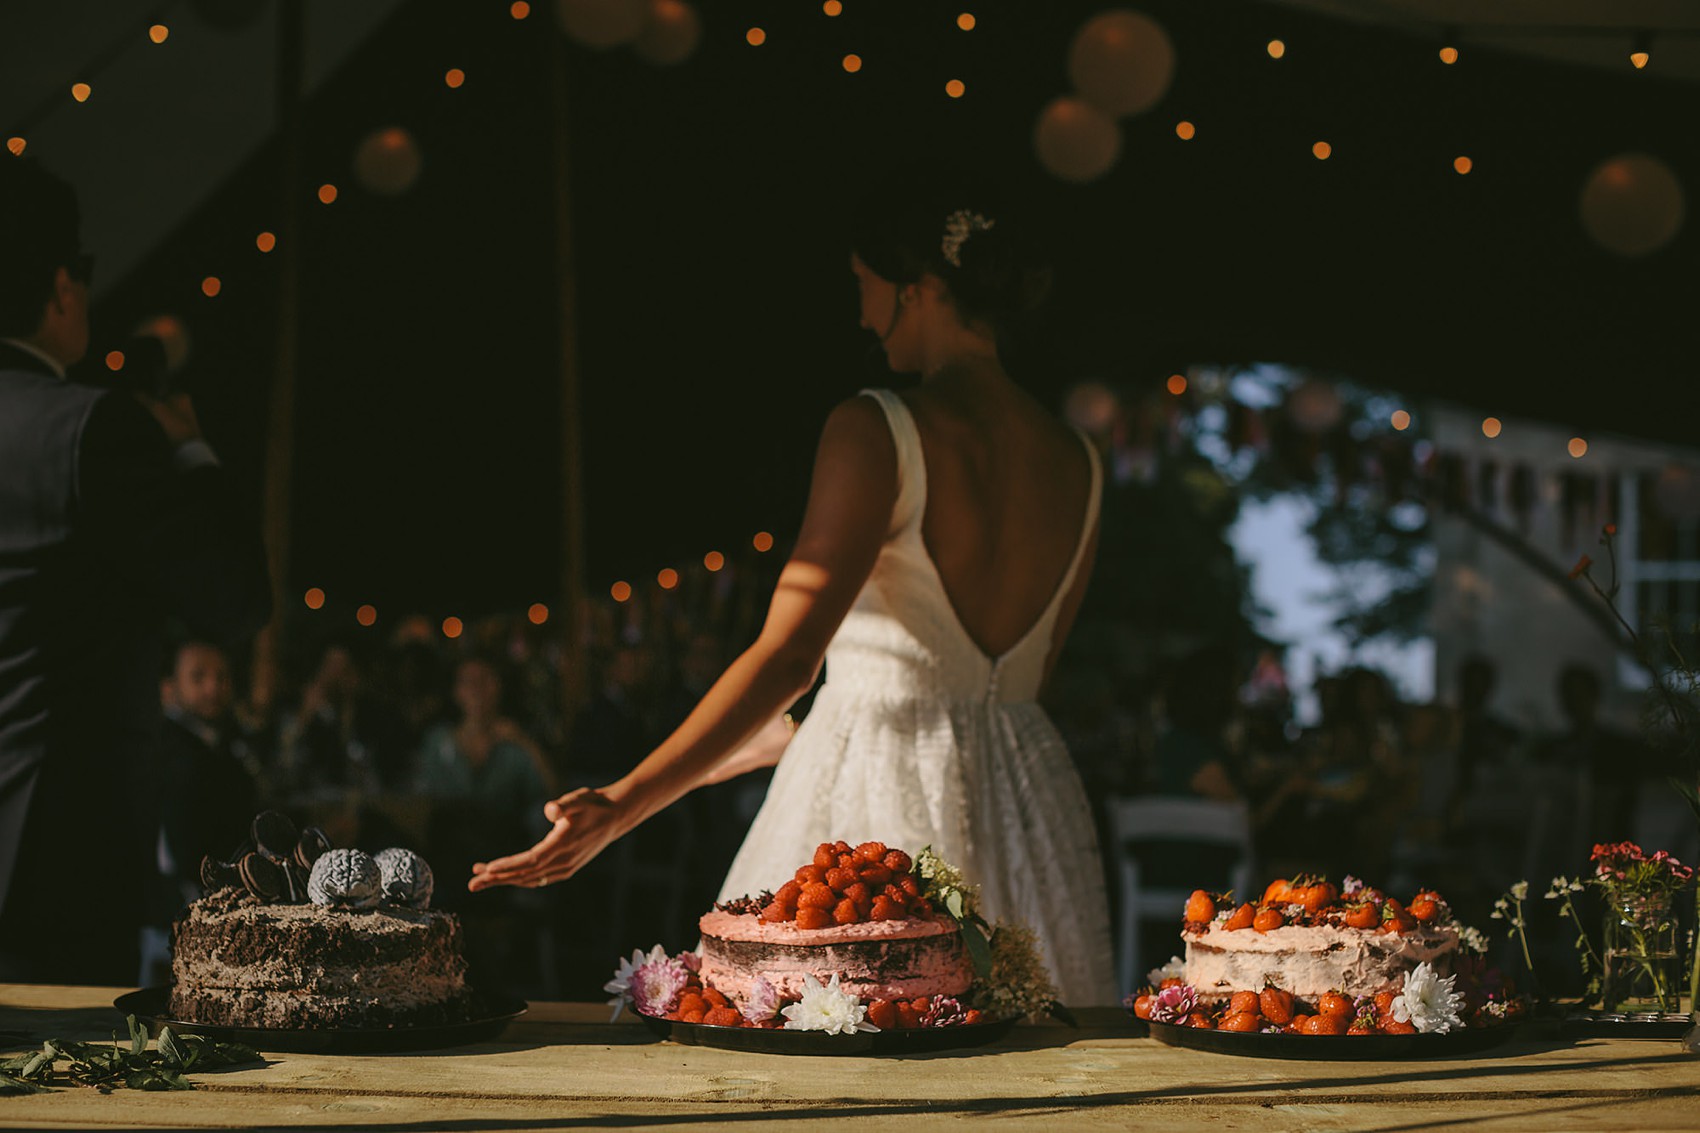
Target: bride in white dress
943,555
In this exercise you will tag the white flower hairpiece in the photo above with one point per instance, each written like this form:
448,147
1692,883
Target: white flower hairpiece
958,226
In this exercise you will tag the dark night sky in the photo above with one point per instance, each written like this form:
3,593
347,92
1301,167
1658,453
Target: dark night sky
717,319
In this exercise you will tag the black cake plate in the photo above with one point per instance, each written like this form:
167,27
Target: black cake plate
759,1040
490,1016
1339,1048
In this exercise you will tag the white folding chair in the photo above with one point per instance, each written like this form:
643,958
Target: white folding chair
1142,821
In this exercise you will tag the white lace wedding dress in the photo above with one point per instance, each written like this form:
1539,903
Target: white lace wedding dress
918,738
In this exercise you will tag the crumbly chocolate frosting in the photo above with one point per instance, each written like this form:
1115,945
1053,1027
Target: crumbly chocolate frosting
240,962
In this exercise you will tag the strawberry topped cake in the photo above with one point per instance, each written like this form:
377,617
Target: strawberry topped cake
1311,938
1313,958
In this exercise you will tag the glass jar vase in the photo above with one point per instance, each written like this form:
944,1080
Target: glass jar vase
1643,969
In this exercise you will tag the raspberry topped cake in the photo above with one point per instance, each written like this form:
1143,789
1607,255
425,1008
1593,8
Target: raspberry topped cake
857,914
862,938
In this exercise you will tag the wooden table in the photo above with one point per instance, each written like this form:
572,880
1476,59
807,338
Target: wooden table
563,1066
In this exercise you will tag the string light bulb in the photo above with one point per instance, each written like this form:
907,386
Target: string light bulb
955,88
314,598
1641,51
852,63
159,33
832,8
16,146
1401,420
1449,46
81,91
1185,130
1577,447
452,627
755,37
966,21
1177,384
115,360
366,615
1491,427
538,614
1276,49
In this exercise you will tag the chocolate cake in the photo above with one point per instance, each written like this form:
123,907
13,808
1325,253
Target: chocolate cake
238,962
294,935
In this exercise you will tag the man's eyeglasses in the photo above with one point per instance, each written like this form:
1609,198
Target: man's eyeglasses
81,268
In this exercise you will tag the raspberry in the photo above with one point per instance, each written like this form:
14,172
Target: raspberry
714,997
690,1002
875,875
841,847
825,856
882,1013
811,874
840,879
816,897
690,1016
845,912
908,1017
808,917
870,852
789,892
897,861
885,909
775,912
859,893
723,1017
848,861
909,884
973,1016
898,897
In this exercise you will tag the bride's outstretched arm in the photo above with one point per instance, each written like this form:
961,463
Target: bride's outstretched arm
849,510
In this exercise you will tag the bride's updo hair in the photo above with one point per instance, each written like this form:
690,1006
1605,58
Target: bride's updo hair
993,271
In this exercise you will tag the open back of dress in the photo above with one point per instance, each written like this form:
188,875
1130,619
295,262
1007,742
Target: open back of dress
918,738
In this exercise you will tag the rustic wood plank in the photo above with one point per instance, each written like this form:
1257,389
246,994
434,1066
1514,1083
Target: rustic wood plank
563,1066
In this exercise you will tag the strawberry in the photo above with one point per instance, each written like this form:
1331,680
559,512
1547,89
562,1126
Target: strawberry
1392,1026
816,897
1425,906
870,852
723,1017
1277,1005
825,856
1297,1026
1201,1021
885,909
972,1016
1327,1025
908,1018
1200,908
897,861
1243,1002
845,912
1278,893
1268,920
1384,1002
1242,1021
1316,898
1142,1006
840,879
810,917
1172,981
1242,917
1333,1003
882,1013
1364,915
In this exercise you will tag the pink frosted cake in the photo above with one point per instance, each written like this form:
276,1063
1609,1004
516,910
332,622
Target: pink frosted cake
890,959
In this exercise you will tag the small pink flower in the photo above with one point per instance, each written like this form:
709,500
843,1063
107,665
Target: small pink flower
762,1003
655,986
1174,1004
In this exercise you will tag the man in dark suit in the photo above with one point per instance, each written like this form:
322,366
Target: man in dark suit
114,516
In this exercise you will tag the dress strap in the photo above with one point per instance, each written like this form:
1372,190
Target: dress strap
911,460
1088,525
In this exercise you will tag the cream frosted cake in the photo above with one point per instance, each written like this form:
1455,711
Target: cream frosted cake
294,935
1315,959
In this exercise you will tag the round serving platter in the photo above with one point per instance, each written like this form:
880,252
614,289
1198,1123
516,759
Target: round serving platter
1337,1048
758,1040
490,1016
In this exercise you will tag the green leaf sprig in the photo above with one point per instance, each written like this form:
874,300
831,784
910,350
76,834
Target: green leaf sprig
947,889
108,1068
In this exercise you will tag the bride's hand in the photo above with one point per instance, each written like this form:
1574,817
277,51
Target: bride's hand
585,821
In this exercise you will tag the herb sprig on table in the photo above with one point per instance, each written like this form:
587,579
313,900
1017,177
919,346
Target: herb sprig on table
108,1068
